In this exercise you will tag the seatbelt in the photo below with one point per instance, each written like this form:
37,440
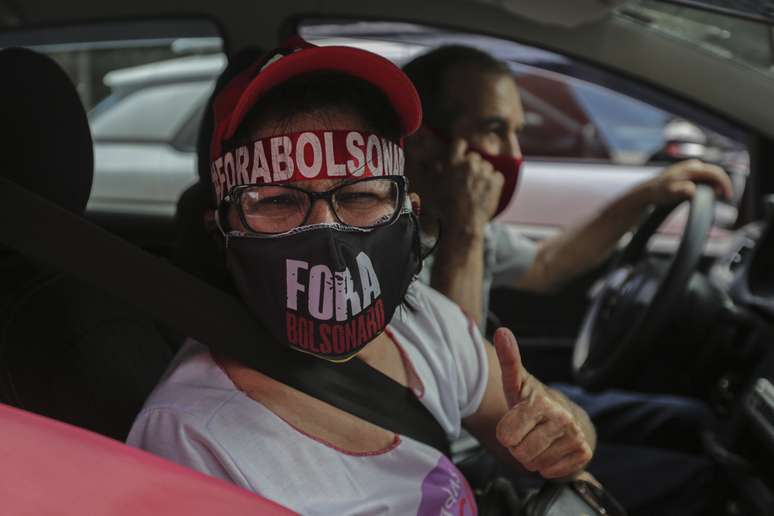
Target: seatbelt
50,234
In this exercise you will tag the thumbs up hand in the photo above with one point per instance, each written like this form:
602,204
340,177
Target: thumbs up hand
542,430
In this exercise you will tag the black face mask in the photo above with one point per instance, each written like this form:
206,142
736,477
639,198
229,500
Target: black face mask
327,290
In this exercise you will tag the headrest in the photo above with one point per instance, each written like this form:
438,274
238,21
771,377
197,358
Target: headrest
236,64
47,147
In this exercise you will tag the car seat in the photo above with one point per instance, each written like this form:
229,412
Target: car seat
67,350
196,251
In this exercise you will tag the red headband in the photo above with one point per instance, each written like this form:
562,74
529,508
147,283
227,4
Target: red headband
306,155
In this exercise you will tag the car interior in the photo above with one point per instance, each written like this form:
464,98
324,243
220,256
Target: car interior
686,311
77,378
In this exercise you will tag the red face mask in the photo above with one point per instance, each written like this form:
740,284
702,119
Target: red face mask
508,166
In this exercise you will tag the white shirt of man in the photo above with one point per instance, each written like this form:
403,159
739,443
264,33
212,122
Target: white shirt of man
507,256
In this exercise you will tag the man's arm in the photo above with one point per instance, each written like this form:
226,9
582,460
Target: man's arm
582,247
524,422
458,270
464,197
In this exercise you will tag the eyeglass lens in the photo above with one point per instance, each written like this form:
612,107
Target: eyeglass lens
278,208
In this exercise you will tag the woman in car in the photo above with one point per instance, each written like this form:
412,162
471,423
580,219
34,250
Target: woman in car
321,241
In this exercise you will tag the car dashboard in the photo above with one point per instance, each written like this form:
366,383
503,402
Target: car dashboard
745,273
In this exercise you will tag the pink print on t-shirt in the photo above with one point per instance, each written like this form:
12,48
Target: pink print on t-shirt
445,492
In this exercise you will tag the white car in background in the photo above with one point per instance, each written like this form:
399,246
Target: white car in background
145,134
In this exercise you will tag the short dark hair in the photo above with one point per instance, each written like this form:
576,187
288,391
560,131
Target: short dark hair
429,72
322,93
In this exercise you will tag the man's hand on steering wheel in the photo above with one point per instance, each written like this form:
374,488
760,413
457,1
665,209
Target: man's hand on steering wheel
678,182
633,305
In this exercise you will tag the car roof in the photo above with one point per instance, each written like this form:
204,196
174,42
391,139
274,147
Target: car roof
573,28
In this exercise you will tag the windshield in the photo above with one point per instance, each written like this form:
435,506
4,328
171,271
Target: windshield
751,8
745,41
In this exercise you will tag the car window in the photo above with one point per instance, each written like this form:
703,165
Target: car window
144,85
154,113
187,136
589,133
572,109
570,118
632,130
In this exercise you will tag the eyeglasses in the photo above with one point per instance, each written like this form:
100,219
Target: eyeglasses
273,209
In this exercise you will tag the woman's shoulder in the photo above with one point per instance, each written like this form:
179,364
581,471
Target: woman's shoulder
427,297
197,417
192,393
427,309
431,325
447,352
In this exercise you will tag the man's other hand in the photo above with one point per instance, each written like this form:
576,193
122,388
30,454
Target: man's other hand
469,187
679,182
539,430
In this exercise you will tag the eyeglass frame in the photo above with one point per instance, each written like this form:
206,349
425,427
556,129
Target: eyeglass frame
232,198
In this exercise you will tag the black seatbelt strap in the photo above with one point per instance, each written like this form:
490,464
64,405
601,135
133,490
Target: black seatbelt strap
43,231
359,389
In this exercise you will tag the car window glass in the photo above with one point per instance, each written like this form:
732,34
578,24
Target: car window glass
589,133
144,85
632,129
154,113
584,112
187,136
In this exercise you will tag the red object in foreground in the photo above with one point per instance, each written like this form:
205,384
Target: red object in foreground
49,467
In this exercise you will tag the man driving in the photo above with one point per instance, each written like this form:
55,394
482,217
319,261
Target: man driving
464,163
467,154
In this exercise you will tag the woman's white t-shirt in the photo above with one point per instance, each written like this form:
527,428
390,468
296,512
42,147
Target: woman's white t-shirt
198,418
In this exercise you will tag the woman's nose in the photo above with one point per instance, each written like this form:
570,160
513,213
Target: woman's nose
321,213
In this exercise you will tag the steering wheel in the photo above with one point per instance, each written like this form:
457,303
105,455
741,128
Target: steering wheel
637,296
